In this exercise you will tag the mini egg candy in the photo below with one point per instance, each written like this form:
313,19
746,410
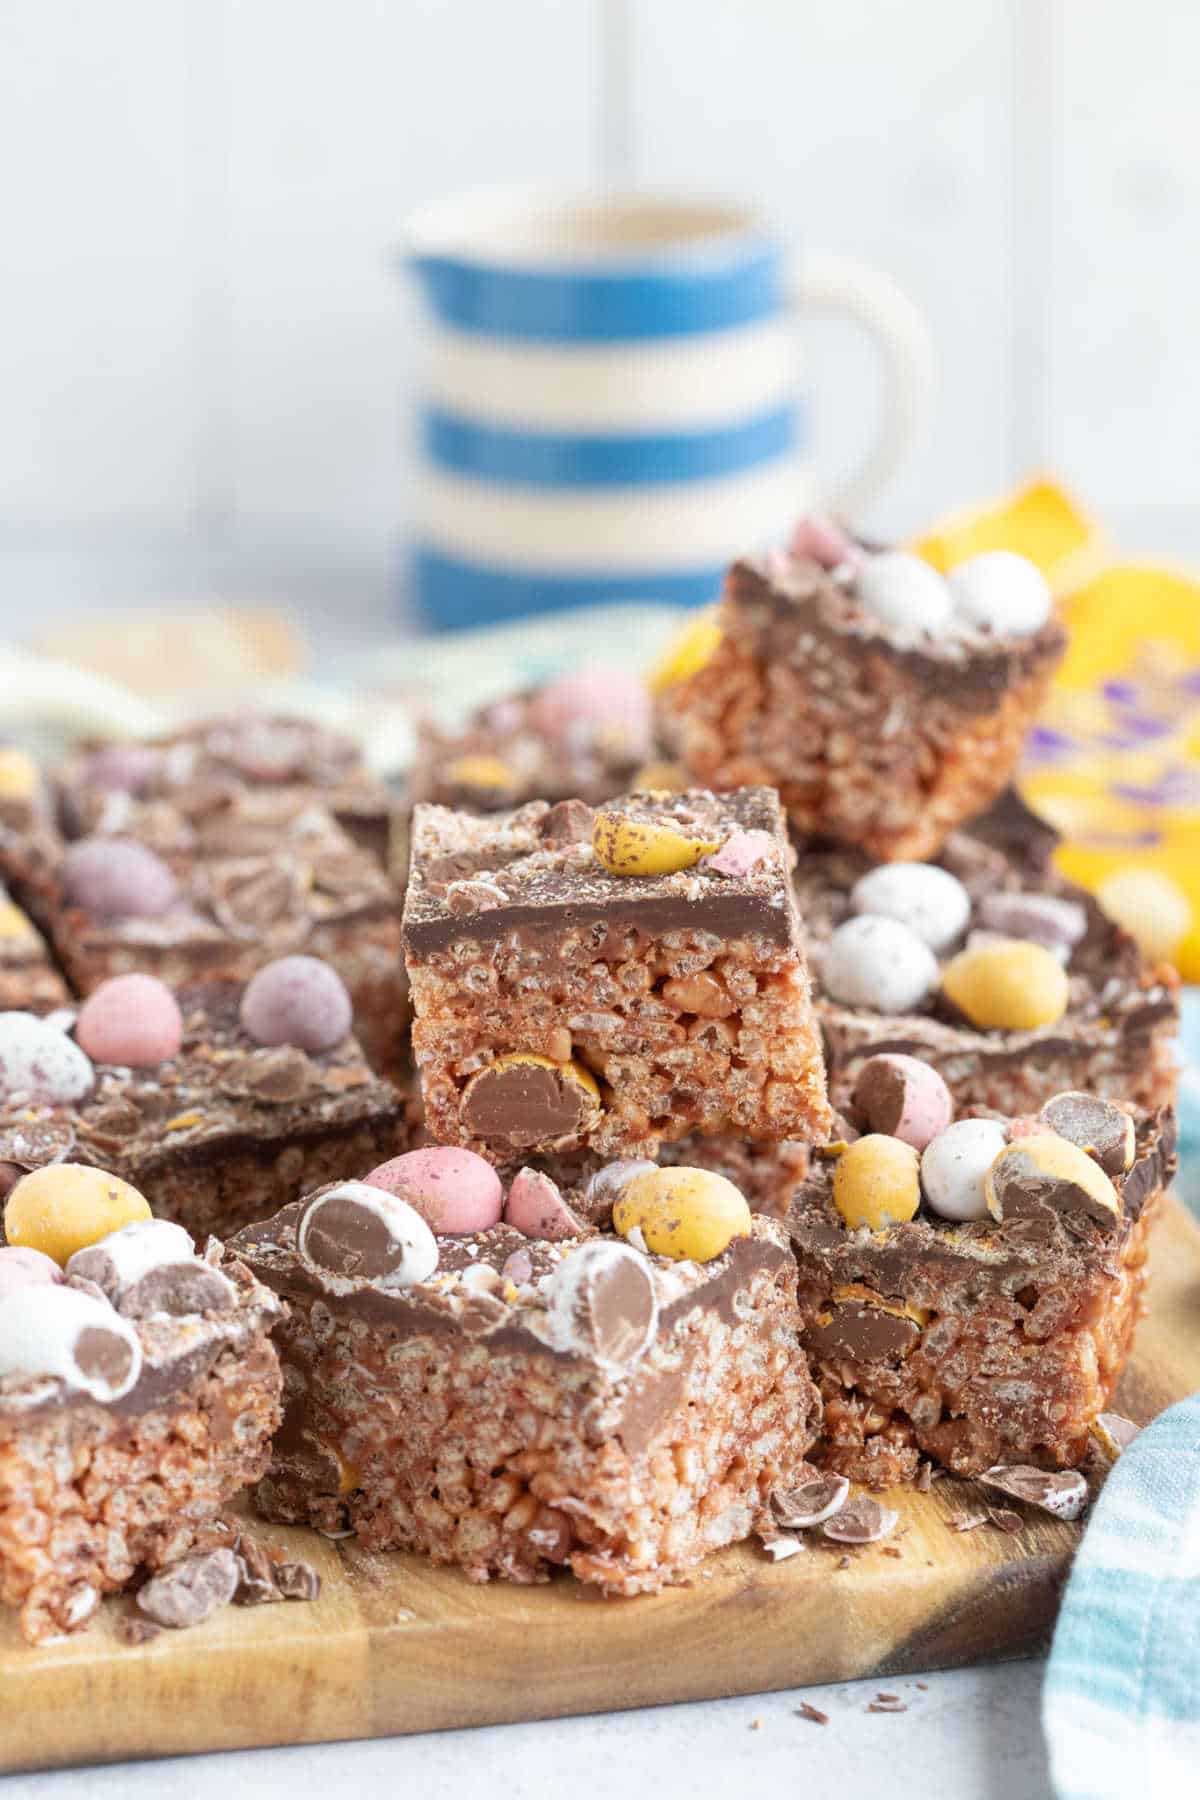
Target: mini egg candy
63,1332
637,847
67,1206
298,1000
151,1267
596,703
691,1215
487,774
1012,985
601,1303
21,1267
1056,924
606,1186
929,900
357,1231
18,773
131,1020
40,1063
821,541
742,853
905,592
525,1101
954,1168
1098,1126
535,1207
876,1182
1151,907
1048,1173
1001,592
878,964
121,768
902,1097
455,1191
116,879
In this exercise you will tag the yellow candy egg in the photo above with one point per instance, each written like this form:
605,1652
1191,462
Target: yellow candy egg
877,1182
627,846
478,772
1151,906
1051,1166
689,652
67,1206
660,778
1010,986
691,1215
18,774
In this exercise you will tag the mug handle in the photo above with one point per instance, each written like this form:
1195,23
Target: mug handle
827,281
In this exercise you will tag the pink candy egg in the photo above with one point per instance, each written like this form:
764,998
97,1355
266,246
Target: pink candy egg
116,879
122,768
821,542
298,1000
455,1191
904,1098
592,702
536,1208
21,1267
133,1020
741,853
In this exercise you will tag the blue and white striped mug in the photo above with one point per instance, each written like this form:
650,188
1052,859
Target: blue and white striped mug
613,398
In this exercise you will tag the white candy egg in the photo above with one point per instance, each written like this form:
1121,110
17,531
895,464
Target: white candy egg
38,1063
904,591
929,900
954,1165
1001,592
879,964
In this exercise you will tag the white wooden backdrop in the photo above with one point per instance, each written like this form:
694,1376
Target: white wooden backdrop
206,350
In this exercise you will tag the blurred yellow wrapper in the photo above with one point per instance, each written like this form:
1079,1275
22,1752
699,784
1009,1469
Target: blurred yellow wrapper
1040,521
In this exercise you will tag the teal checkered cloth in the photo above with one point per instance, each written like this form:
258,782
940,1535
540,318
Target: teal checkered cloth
1121,1706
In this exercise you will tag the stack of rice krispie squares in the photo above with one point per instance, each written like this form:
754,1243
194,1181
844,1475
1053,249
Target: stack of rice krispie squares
784,1120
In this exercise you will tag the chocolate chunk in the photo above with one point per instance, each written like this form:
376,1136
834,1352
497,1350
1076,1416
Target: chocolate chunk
1097,1126
466,897
1064,1493
812,1713
256,1574
136,1630
246,902
860,1521
526,1104
602,1304
192,1590
104,1356
863,1333
811,1502
568,822
279,1076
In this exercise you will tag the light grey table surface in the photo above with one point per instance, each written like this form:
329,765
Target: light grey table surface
970,1734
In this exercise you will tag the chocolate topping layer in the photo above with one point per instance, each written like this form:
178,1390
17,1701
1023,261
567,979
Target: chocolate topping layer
554,886
805,602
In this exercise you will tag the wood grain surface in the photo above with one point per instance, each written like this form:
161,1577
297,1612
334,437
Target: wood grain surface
394,1645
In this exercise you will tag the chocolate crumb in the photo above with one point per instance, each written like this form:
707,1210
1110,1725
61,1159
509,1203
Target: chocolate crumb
813,1713
882,1696
968,1521
874,1707
298,1581
843,1562
1004,1518
924,1478
923,1685
891,1550
135,1630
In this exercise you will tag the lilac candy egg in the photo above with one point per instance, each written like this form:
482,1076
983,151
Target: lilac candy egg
121,768
39,1063
904,1098
133,1020
595,702
298,1000
820,541
536,1208
21,1267
116,879
455,1191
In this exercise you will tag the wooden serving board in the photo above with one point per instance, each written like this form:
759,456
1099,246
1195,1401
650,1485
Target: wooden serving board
394,1645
